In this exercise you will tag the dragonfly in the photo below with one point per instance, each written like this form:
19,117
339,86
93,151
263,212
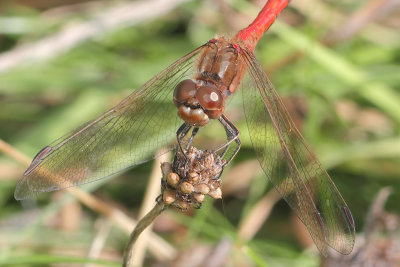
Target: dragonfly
196,87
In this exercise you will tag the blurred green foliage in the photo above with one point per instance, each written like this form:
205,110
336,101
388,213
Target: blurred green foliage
344,96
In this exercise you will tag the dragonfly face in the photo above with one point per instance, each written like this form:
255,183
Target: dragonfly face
218,74
198,102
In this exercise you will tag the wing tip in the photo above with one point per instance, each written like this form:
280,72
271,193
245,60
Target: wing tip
21,195
23,191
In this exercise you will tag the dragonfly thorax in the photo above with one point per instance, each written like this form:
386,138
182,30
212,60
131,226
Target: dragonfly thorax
219,64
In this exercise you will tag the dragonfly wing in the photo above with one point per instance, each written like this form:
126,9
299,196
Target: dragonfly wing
126,135
290,164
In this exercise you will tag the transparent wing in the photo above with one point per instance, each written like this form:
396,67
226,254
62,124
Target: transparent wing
126,135
290,164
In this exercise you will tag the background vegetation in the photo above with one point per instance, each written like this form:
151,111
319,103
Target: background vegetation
335,63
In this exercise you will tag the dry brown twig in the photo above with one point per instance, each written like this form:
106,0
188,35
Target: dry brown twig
152,192
140,227
104,227
238,178
258,215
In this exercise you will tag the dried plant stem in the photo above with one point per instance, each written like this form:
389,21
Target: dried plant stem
14,153
258,215
152,192
376,211
141,225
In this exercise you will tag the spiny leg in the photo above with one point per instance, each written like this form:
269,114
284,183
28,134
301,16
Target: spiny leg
194,132
232,133
181,133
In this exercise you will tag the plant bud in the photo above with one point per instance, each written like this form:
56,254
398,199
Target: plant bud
216,194
173,179
186,188
169,197
202,189
198,197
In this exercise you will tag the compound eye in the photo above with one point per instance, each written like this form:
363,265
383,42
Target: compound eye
210,98
184,91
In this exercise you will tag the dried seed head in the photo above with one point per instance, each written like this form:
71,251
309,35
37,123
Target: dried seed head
216,194
209,161
202,189
173,179
191,153
182,204
217,169
186,188
169,196
190,177
198,197
215,184
194,177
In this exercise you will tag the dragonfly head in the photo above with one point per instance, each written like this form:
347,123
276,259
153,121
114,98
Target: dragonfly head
197,103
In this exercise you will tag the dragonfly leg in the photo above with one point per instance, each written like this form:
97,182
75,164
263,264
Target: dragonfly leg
232,133
194,132
181,133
